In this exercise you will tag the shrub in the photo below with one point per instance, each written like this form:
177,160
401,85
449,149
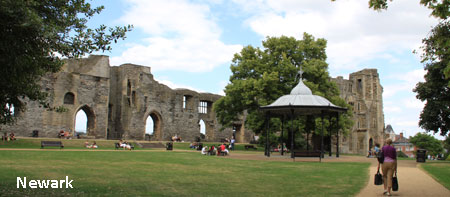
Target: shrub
401,154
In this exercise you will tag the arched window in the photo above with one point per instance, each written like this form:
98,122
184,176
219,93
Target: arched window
69,98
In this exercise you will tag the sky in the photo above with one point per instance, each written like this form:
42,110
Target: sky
190,43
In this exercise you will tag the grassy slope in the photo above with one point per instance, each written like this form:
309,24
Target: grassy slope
176,174
439,171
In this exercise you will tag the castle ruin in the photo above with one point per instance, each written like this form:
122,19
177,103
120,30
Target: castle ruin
118,100
363,92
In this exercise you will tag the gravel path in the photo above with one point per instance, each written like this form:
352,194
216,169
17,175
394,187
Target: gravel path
412,181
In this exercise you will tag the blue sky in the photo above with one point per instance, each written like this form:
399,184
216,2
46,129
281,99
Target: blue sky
190,43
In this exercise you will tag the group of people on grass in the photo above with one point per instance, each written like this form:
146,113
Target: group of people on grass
215,150
65,134
93,145
9,137
176,138
231,141
388,165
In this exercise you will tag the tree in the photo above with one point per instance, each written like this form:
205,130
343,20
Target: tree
36,36
428,142
435,91
435,115
260,76
447,144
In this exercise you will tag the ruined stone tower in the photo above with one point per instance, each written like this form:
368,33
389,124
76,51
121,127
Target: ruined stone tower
363,92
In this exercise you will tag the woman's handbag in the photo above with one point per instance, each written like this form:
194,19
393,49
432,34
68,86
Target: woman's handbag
395,183
380,157
378,177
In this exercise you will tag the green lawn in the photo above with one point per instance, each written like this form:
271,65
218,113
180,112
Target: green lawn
35,143
166,173
440,171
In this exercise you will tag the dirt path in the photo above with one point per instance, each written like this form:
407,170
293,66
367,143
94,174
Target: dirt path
412,181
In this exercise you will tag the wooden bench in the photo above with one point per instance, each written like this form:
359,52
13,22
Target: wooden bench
250,146
52,143
305,153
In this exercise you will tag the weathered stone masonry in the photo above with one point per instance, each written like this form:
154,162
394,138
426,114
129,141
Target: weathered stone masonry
363,92
117,102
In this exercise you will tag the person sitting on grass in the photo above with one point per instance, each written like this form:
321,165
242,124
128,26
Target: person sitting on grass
212,150
12,136
227,152
205,150
94,145
86,144
222,148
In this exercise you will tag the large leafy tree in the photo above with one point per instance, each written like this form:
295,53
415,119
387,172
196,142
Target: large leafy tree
435,91
428,142
35,36
260,76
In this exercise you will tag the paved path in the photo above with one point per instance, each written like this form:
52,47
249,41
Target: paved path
412,181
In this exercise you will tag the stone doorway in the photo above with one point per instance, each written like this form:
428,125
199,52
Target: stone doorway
90,116
155,133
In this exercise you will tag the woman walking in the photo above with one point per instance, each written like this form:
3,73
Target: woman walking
389,166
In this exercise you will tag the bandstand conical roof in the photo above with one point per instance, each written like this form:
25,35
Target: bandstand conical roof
301,101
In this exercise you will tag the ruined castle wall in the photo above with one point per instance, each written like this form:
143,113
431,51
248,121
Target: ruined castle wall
136,96
87,80
363,92
117,101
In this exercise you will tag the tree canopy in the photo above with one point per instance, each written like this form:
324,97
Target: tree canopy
428,142
435,92
260,76
36,36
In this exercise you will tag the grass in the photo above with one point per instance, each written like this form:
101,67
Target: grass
166,173
35,143
440,171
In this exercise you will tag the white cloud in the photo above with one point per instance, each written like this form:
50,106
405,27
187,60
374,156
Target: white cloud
413,77
405,82
354,32
175,85
222,85
181,36
413,103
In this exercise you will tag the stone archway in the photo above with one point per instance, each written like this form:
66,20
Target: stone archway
91,120
157,134
207,128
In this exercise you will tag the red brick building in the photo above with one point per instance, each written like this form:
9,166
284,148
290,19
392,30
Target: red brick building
402,144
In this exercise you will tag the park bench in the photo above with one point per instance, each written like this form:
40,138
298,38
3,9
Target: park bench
118,146
250,146
52,143
304,153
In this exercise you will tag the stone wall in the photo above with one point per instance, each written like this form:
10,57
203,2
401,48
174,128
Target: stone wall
117,102
80,85
363,92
